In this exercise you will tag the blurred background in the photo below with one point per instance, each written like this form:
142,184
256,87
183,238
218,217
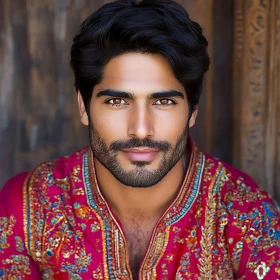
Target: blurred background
239,112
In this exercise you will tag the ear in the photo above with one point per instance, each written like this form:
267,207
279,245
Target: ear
82,110
193,117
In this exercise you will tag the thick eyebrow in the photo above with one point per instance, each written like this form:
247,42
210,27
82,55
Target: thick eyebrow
155,95
166,94
115,93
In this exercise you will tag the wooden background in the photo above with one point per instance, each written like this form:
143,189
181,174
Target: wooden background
238,114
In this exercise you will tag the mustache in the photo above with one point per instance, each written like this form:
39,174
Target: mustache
137,143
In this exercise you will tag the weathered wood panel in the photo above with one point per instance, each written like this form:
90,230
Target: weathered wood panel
39,117
257,91
213,130
202,12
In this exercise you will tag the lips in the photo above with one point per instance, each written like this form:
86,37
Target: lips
141,154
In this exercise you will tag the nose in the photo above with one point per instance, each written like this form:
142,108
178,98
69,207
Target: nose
141,123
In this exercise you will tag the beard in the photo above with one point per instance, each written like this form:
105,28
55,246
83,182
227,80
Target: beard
139,177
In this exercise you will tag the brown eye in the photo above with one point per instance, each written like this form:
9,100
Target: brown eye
116,102
165,102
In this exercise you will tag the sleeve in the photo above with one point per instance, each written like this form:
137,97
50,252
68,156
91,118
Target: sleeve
254,234
15,263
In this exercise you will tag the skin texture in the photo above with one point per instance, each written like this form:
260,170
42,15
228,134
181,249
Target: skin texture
139,120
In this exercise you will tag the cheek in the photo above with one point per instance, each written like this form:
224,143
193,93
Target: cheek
109,126
170,125
170,129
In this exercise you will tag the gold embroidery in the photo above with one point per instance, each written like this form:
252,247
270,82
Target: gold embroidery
25,213
212,236
208,233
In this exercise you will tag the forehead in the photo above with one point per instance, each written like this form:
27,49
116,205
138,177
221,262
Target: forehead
139,74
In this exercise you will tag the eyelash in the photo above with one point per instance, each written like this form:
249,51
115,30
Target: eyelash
161,105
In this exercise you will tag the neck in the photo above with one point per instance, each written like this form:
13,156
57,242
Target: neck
145,203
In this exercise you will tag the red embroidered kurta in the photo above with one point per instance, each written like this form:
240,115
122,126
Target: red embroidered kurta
55,224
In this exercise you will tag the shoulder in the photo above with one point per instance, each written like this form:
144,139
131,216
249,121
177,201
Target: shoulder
11,196
12,210
235,186
52,181
251,220
49,199
50,173
238,195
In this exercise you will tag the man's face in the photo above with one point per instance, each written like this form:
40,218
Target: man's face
138,119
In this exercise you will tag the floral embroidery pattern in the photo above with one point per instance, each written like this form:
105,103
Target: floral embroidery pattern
15,265
219,226
6,229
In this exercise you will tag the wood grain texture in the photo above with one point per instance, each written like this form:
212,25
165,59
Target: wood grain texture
272,167
257,91
202,12
38,117
213,129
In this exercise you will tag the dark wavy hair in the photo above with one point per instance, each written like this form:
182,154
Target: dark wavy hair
147,26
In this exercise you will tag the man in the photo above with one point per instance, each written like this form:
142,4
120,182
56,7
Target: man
142,202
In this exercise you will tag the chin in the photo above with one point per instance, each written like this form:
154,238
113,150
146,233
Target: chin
141,163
